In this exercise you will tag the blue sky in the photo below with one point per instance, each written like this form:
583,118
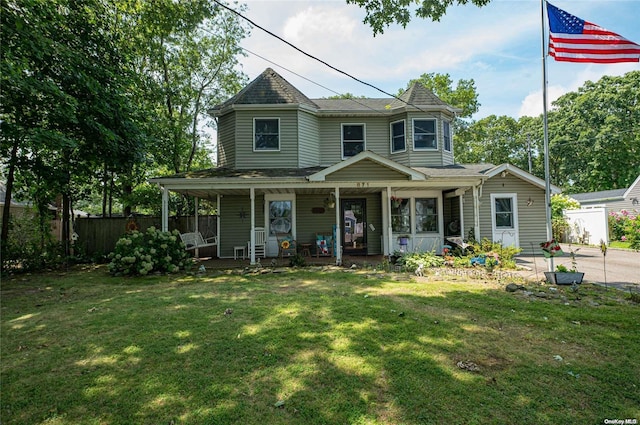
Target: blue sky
498,46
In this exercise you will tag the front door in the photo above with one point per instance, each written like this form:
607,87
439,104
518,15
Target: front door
504,218
354,226
280,217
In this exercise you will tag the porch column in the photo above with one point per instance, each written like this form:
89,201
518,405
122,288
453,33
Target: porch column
477,192
218,198
461,215
387,211
196,225
338,229
165,209
252,238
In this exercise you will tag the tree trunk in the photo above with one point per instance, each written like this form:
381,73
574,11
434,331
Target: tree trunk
6,210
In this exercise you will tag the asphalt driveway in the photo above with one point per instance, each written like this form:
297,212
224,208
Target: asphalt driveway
622,266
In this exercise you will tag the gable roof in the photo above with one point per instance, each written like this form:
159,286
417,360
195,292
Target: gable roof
268,88
606,195
518,172
371,156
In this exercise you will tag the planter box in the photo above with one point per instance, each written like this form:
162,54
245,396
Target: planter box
564,278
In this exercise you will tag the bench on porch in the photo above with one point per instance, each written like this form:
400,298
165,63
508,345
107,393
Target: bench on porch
194,240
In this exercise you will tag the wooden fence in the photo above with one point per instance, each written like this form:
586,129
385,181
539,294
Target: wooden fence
98,236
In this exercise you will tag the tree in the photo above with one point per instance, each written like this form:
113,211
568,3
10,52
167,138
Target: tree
593,135
382,13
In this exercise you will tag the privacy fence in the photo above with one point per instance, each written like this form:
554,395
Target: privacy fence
98,236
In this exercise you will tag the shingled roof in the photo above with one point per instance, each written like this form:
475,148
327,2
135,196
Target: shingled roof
269,88
418,95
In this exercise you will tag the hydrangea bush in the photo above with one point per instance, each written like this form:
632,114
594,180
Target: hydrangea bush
140,253
624,226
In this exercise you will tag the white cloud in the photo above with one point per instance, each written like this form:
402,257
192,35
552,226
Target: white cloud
532,104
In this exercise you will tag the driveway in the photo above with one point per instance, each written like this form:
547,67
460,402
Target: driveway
622,266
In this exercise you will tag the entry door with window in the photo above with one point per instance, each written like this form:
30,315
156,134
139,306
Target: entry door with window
504,218
354,227
280,220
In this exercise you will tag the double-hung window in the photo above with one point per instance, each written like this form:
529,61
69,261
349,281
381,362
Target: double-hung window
424,134
446,136
266,134
352,139
398,143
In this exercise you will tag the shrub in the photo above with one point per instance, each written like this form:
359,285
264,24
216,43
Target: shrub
30,245
632,230
140,253
428,259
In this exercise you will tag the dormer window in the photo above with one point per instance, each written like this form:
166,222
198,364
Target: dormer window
398,140
266,134
424,134
446,136
352,139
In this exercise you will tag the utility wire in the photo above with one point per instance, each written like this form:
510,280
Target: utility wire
311,56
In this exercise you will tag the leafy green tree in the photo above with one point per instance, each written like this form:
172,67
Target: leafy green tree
593,135
382,13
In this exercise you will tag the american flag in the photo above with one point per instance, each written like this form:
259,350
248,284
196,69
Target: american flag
572,39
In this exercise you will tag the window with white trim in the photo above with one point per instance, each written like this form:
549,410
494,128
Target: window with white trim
398,140
353,141
446,136
266,134
424,134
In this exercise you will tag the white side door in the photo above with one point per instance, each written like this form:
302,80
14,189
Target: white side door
504,218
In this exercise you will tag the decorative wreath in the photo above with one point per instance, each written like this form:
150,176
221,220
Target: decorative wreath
285,244
131,226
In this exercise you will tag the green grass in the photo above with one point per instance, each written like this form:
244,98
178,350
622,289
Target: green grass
331,347
620,244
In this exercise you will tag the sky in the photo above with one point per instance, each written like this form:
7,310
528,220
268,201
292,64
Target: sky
498,46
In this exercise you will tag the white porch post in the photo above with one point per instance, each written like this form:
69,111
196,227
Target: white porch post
461,206
165,209
196,224
338,229
218,198
476,211
252,238
387,210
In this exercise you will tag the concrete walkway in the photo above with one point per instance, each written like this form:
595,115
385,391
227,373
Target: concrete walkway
622,266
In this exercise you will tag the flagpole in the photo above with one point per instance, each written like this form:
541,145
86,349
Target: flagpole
545,126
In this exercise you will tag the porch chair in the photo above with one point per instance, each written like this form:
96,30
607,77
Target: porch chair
286,245
261,243
324,245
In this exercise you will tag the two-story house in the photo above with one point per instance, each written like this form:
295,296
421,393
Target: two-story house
377,174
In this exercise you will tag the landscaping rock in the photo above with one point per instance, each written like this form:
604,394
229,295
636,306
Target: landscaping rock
512,287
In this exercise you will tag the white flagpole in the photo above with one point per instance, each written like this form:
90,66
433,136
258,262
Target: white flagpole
545,126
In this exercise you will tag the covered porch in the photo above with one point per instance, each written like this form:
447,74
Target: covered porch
364,206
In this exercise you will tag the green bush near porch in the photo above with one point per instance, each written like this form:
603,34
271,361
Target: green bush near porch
313,347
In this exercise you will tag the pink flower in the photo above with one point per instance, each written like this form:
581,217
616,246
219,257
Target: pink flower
623,238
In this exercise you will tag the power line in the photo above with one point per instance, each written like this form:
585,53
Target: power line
311,56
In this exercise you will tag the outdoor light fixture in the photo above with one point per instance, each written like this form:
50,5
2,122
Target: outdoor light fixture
330,202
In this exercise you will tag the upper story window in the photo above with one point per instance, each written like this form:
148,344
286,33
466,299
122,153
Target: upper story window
446,136
398,140
352,139
424,134
266,134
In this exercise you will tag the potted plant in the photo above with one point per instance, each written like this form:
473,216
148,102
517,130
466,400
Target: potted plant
403,240
565,276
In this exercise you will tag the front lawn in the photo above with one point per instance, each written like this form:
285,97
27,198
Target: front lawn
313,347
